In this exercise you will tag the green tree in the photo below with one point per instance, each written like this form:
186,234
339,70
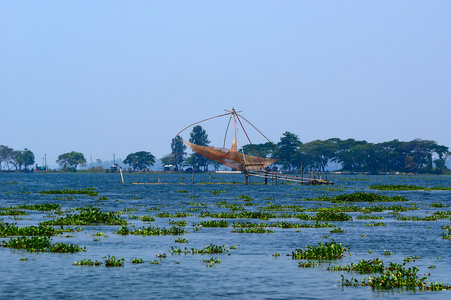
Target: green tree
6,156
288,145
199,137
263,150
72,159
140,160
23,158
178,151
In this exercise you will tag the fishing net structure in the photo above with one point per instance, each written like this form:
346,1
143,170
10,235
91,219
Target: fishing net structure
231,157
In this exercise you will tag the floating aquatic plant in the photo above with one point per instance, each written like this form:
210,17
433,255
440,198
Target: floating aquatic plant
87,262
330,250
213,223
112,261
253,230
137,261
88,215
363,266
88,191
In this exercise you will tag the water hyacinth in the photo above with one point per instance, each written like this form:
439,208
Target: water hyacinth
327,251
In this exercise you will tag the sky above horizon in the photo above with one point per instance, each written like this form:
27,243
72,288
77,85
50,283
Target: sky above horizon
104,77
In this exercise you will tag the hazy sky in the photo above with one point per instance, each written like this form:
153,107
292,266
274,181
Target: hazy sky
104,77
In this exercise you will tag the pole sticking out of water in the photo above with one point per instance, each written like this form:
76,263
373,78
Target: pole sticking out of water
122,177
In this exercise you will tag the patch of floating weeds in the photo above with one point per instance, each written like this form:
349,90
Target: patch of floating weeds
406,187
97,233
372,223
326,236
243,215
211,263
278,207
40,244
137,261
332,216
195,209
366,197
438,205
364,267
396,277
65,248
13,212
213,223
410,218
253,230
69,229
132,217
442,214
181,240
217,192
179,214
387,253
211,249
358,197
88,191
245,198
112,261
180,223
10,229
156,262
151,230
147,218
337,230
88,215
206,250
327,251
87,262
307,264
181,191
277,254
103,198
64,198
164,255
153,209
128,209
411,258
367,217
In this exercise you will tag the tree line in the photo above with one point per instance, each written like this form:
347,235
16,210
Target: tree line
416,156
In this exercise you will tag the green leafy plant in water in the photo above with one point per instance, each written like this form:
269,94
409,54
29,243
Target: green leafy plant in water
112,261
180,223
337,230
253,230
364,266
88,191
87,262
376,224
88,215
213,223
137,261
181,240
330,250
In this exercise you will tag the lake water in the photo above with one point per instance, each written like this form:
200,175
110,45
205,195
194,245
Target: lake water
248,272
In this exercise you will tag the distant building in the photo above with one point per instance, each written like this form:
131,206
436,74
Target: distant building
41,168
168,168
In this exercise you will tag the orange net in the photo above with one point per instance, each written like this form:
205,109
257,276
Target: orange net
232,158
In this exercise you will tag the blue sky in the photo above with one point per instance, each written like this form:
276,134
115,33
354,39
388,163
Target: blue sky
104,77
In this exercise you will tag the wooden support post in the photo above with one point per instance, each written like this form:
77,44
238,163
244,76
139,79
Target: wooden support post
192,180
208,177
309,174
246,178
302,172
